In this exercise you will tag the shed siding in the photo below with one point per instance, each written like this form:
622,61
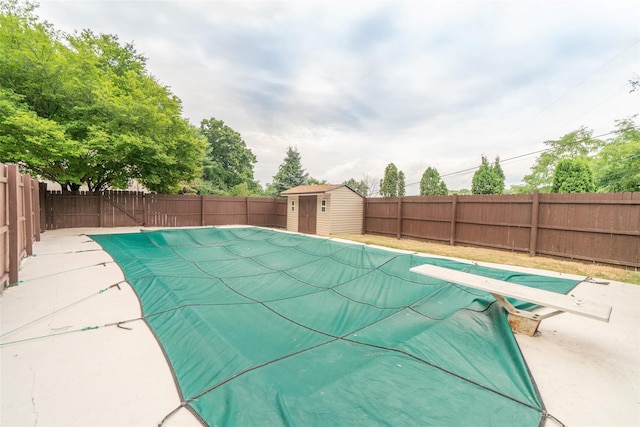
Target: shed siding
323,227
346,211
292,216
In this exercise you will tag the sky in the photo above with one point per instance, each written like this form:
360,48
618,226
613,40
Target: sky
356,85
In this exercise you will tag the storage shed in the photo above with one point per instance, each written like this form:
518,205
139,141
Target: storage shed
324,209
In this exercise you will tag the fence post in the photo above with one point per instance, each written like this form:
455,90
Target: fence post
14,222
145,212
454,208
535,207
100,208
246,209
365,204
35,193
43,206
275,212
399,234
28,214
202,210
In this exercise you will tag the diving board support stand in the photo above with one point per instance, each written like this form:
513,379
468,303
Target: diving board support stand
521,321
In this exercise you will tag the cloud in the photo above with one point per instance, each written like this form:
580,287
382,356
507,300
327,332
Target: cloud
358,85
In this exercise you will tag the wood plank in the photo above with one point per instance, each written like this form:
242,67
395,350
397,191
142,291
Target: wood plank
540,297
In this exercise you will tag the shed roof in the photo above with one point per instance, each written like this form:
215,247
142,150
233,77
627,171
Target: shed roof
314,189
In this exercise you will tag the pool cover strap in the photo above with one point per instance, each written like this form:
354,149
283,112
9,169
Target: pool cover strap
262,327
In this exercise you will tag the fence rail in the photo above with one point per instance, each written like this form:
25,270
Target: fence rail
126,208
19,221
599,227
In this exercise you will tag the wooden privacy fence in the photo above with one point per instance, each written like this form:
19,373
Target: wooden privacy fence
126,208
600,227
19,221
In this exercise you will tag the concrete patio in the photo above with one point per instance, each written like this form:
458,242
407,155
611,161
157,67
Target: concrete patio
66,362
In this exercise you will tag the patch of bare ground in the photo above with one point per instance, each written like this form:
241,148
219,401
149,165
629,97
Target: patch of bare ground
594,270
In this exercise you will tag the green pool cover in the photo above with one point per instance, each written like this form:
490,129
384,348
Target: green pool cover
262,327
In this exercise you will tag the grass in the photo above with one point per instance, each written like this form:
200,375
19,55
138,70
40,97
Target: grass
597,271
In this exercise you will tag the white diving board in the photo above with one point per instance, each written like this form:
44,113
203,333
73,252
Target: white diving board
520,320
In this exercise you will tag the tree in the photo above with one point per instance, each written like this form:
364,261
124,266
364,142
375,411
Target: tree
372,184
228,162
290,173
488,179
497,169
401,184
572,176
431,184
617,165
392,185
579,143
102,120
314,181
358,186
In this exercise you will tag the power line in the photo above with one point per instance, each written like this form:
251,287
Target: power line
502,161
555,101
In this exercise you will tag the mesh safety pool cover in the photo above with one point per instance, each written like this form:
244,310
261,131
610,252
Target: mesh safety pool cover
268,328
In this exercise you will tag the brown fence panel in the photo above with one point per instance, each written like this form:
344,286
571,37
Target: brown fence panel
592,227
19,221
72,210
121,208
173,210
382,215
220,210
601,227
427,218
4,225
262,212
128,208
281,213
495,221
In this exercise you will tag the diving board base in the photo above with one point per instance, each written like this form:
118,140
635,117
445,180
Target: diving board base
521,321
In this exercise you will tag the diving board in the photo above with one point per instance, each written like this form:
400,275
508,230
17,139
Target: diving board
522,321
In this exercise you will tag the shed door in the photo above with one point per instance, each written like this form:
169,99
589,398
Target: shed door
307,206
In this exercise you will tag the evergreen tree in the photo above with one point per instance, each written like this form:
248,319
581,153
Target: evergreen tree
488,179
572,176
431,184
290,173
497,169
389,185
401,184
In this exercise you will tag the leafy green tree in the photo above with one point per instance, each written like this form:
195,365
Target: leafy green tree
358,186
572,176
401,184
617,165
431,184
228,162
314,181
392,184
579,143
497,169
488,179
290,173
104,119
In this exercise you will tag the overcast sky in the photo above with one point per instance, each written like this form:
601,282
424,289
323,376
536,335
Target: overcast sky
357,85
